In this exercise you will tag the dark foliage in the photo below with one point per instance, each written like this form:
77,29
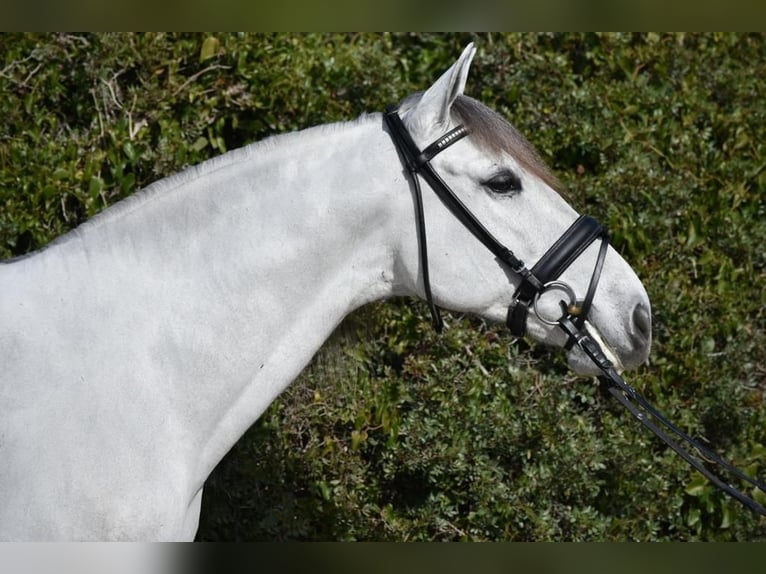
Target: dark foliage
394,433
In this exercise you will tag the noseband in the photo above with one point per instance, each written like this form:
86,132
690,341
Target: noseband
544,277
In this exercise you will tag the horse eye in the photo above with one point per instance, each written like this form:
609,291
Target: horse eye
504,183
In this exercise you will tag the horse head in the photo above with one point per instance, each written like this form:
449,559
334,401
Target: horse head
502,183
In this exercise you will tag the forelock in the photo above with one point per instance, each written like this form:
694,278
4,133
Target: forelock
492,133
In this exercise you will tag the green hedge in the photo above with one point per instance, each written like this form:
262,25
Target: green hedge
393,432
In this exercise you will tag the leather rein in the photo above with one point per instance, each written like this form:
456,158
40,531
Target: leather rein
543,277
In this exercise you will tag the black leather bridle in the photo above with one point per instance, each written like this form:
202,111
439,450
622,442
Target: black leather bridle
534,281
544,277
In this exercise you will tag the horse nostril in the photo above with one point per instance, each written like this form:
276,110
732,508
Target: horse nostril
642,321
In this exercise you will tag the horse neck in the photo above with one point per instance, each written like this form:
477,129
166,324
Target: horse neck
316,242
223,283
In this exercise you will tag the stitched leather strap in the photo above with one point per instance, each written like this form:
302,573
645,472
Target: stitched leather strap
419,162
575,240
653,420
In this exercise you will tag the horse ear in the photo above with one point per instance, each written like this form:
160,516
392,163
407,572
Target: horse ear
432,111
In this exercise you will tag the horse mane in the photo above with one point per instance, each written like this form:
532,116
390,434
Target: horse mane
494,134
176,180
210,165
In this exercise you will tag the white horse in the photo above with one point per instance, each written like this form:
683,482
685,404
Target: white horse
139,347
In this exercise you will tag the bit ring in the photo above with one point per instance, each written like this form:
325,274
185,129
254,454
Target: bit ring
570,308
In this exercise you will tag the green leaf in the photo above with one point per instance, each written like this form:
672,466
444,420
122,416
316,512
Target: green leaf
697,486
95,186
209,48
694,517
726,516
324,489
200,144
130,151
